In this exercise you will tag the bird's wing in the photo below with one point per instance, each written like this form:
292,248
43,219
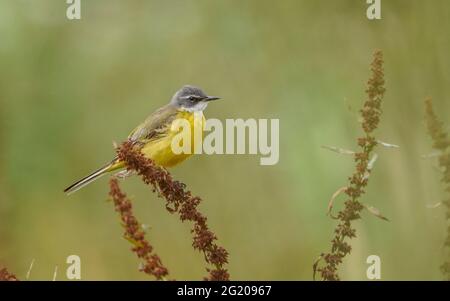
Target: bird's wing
154,125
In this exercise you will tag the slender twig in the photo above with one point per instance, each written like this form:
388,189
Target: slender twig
27,277
55,273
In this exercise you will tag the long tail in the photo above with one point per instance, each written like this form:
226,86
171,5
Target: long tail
113,165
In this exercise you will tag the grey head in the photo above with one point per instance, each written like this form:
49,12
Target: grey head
192,99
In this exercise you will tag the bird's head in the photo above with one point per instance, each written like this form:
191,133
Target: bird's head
191,99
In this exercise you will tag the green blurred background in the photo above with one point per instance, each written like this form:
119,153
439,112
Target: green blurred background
70,88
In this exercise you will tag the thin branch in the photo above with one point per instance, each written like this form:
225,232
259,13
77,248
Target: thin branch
375,212
27,277
55,273
331,202
433,206
388,145
338,150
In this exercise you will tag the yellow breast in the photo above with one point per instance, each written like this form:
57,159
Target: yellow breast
160,150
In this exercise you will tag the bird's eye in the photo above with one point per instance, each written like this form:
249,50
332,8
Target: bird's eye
191,98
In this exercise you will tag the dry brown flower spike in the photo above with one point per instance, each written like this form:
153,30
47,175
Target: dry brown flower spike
441,143
7,276
371,113
179,200
135,234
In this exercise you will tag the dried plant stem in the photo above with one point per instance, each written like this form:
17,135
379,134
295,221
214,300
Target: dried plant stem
7,276
133,232
179,200
371,113
29,270
441,143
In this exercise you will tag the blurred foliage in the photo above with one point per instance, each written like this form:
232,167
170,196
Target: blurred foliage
69,88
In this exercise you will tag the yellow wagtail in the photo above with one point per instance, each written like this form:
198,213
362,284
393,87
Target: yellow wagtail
154,135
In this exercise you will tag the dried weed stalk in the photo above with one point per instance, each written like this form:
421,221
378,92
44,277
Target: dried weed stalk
7,276
441,143
179,200
135,234
371,113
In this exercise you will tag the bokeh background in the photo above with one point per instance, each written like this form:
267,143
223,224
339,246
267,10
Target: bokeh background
70,88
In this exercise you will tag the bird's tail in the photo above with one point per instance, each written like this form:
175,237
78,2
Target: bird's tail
113,165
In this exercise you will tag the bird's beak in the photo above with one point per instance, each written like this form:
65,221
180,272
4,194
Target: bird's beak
210,98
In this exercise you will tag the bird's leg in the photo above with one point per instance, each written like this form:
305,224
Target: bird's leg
124,174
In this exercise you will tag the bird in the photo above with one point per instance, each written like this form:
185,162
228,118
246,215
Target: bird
154,136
